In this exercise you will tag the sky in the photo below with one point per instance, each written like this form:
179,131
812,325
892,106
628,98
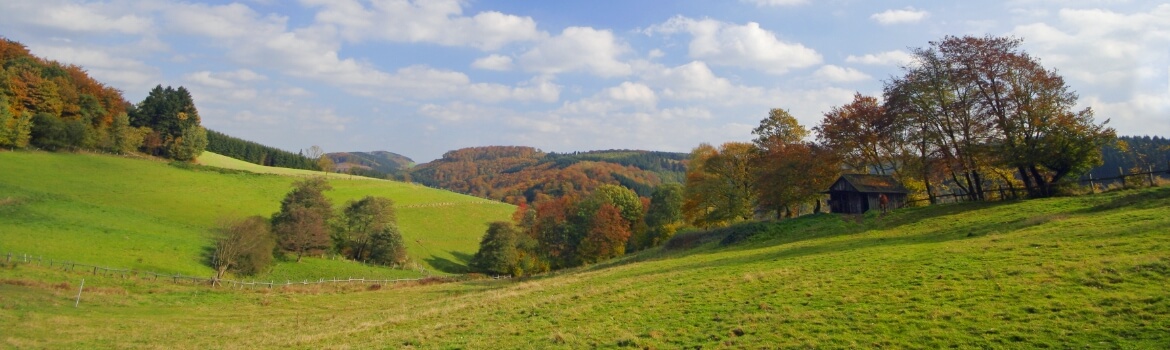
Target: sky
421,78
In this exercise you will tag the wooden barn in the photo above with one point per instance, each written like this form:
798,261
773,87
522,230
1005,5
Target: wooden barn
859,193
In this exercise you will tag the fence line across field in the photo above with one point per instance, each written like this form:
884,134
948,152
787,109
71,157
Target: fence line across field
1144,178
180,278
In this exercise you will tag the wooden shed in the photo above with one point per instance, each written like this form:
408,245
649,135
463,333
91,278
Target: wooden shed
859,193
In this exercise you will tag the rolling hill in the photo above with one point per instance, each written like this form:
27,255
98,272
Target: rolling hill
156,216
375,164
1074,272
518,174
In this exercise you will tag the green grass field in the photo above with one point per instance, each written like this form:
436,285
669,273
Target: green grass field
149,215
1077,272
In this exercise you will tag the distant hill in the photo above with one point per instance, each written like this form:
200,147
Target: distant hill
378,164
518,174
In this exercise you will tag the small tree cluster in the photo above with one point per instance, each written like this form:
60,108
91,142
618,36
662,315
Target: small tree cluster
367,231
570,231
301,225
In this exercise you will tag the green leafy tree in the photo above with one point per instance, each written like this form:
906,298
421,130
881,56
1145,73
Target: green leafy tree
664,216
497,252
190,143
48,132
301,224
172,115
368,231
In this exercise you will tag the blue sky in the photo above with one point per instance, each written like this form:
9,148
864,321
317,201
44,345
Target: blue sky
423,77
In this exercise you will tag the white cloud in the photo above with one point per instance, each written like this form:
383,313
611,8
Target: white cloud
747,46
86,18
493,62
906,15
888,58
538,89
427,21
767,3
633,93
840,74
578,49
1104,48
696,81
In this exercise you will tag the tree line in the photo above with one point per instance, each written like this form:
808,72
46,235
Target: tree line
364,230
256,153
53,106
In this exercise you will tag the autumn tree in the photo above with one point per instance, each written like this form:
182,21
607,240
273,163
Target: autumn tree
866,137
243,246
301,224
719,184
367,231
606,237
787,170
983,103
15,130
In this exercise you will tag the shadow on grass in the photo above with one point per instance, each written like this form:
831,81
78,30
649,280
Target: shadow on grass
451,266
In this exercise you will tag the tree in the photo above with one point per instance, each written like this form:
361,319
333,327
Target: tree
243,246
664,215
497,252
780,127
300,225
15,130
607,236
123,138
48,132
368,232
864,135
189,144
172,115
982,103
719,184
786,170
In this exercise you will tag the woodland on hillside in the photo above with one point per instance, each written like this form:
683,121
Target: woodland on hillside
517,174
52,106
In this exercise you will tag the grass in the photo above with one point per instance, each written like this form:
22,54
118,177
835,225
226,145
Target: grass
149,215
1076,272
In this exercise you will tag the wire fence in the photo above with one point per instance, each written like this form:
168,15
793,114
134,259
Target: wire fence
1151,178
178,278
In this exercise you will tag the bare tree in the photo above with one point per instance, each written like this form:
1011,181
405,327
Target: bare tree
242,245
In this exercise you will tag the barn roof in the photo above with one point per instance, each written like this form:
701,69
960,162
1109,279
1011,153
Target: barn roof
866,183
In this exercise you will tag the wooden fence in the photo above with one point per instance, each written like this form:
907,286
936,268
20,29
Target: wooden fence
1136,179
65,265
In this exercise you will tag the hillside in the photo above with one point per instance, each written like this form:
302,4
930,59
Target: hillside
143,214
1078,272
377,164
524,174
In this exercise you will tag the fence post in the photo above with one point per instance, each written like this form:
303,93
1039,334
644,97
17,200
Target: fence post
1092,184
1151,173
1121,173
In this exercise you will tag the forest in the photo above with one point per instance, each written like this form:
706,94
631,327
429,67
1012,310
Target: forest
52,106
256,153
516,174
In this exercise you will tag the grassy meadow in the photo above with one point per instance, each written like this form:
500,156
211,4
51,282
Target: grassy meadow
1075,272
150,215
